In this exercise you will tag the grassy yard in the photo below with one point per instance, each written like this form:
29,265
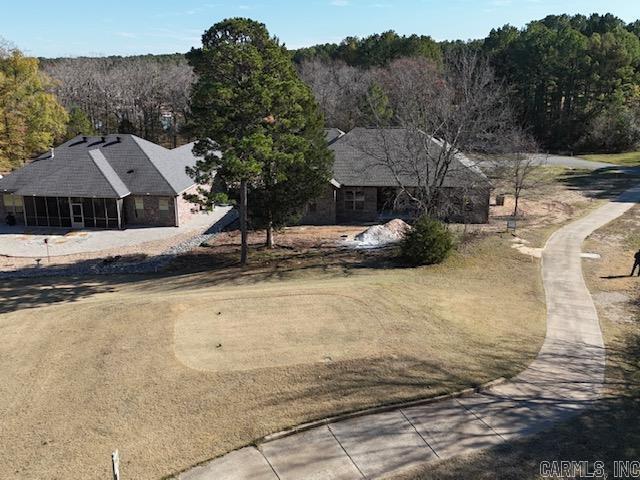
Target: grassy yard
175,370
610,432
629,159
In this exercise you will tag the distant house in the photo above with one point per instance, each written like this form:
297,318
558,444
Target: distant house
365,189
108,182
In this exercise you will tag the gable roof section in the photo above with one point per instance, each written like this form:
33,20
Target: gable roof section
171,164
361,160
332,134
109,167
109,173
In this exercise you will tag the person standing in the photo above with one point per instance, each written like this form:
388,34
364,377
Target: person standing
636,264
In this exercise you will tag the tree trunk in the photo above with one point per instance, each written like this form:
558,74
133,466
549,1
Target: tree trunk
515,209
243,223
270,243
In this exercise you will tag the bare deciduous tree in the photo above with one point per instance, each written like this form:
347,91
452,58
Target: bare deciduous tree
515,169
444,113
136,91
339,89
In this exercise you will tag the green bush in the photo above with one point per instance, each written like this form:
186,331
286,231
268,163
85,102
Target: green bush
427,243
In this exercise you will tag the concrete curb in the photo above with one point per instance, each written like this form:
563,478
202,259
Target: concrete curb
373,410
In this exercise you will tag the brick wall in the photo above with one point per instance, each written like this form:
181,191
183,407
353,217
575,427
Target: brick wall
5,210
465,206
187,209
150,215
346,214
322,211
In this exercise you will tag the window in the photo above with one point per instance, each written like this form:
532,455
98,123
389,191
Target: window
13,203
139,203
163,204
354,199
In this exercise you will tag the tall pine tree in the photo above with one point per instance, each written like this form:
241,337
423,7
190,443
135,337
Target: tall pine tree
259,128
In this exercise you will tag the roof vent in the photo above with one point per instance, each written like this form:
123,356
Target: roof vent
84,139
103,139
130,171
53,153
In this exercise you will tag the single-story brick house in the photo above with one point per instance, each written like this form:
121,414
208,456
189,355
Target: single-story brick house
108,182
364,187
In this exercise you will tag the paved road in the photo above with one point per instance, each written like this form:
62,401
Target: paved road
572,162
565,378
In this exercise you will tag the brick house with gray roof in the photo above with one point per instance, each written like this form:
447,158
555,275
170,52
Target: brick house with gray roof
365,189
108,182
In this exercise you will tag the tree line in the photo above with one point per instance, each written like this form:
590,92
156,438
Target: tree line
574,80
145,95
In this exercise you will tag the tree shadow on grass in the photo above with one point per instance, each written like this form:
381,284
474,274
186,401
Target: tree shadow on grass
22,294
606,183
188,271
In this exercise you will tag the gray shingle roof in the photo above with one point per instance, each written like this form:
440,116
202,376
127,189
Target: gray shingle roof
362,158
109,173
106,167
332,134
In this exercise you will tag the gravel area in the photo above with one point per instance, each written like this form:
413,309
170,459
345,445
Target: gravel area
145,258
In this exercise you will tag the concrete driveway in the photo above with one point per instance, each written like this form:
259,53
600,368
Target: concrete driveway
30,241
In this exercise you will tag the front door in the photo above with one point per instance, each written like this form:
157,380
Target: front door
77,218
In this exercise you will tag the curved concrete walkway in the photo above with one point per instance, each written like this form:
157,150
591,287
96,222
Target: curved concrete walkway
567,376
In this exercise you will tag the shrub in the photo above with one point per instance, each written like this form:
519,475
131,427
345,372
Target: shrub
427,243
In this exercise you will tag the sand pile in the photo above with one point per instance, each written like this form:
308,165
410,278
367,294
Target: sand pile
381,235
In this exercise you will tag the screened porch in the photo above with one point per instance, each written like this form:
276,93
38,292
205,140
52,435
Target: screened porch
73,212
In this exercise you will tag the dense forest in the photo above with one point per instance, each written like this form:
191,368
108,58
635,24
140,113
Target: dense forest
574,82
147,95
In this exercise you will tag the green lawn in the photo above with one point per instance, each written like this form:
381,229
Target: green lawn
630,159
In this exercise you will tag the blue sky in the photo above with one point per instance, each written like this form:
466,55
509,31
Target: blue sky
80,27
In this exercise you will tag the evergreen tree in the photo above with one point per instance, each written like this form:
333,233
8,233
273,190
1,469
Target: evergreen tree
259,127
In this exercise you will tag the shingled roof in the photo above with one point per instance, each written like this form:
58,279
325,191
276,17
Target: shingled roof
361,159
113,166
332,134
